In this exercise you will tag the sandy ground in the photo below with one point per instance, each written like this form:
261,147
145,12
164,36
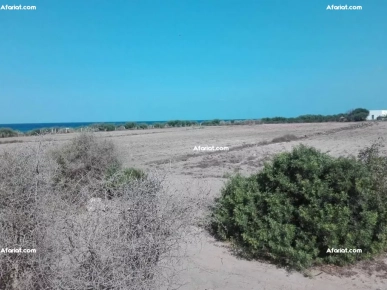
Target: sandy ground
210,264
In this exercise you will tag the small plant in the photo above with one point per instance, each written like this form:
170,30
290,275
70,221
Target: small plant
117,178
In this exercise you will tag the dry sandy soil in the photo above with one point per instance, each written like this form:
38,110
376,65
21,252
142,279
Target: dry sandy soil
210,264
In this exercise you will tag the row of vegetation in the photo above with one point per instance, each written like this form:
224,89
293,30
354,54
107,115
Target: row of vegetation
303,203
356,115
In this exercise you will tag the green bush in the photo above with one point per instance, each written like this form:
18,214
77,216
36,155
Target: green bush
303,203
116,178
7,132
215,122
104,127
158,125
355,115
179,123
130,125
174,123
358,115
142,126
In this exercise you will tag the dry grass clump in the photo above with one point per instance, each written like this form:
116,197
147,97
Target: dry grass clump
81,166
132,240
285,138
84,159
23,183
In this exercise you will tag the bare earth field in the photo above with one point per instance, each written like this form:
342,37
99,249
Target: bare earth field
210,264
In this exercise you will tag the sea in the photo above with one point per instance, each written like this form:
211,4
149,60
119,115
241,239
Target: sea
33,126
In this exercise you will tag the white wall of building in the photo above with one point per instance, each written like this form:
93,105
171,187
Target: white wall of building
376,113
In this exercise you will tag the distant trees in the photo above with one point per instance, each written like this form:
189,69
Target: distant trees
142,126
104,127
130,125
304,119
356,115
180,123
158,125
215,122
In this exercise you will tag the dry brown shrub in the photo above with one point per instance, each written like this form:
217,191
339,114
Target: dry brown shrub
136,240
285,138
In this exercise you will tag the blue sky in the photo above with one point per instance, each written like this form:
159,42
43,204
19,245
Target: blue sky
74,61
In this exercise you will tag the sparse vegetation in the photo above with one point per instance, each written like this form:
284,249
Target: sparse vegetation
131,241
215,122
130,125
303,203
285,138
83,163
158,125
355,115
142,126
10,141
104,127
7,132
34,132
180,123
117,177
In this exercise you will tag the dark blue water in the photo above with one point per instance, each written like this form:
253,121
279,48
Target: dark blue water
32,126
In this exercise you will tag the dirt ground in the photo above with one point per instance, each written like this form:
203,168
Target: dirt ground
210,264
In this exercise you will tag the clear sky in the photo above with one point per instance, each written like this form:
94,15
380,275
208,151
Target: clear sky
143,60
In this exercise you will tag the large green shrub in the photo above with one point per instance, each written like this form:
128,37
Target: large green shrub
302,204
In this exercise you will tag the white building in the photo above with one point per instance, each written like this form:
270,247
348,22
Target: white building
374,114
